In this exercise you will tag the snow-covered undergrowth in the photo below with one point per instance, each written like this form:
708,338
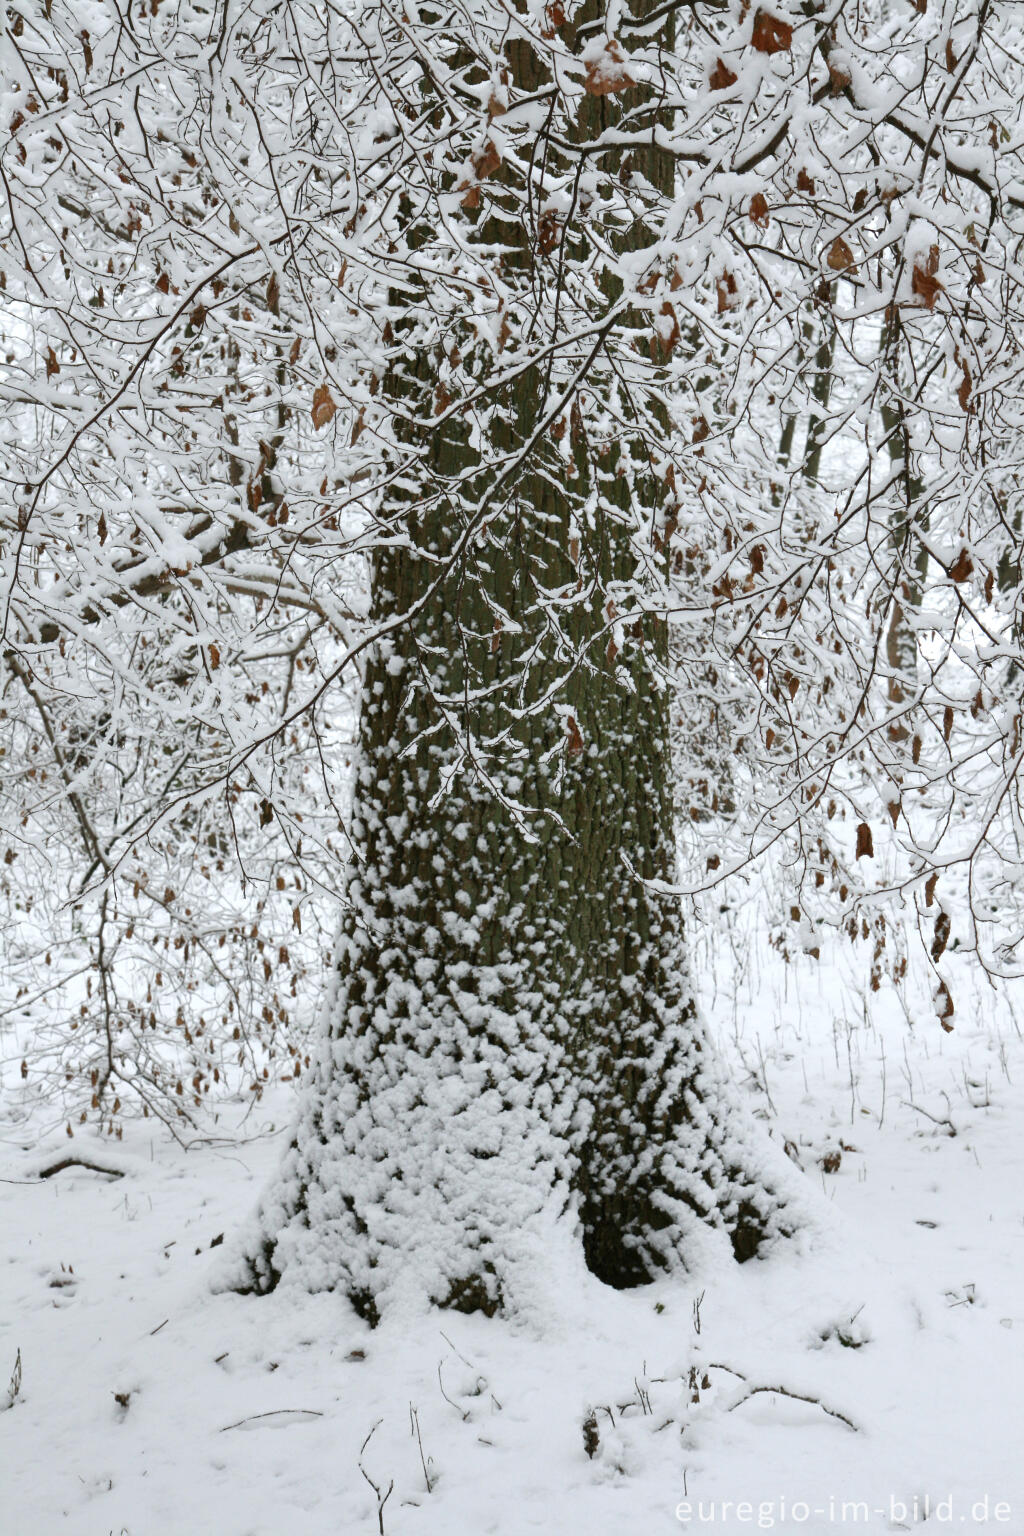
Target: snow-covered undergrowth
857,1387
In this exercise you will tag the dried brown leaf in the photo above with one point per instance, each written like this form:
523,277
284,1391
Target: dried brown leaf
323,407
771,34
962,566
548,229
722,77
924,282
487,160
608,74
940,936
554,17
840,257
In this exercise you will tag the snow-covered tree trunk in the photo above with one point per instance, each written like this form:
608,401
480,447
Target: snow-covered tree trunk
511,1039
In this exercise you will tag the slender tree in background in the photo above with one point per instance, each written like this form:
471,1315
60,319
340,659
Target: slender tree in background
440,353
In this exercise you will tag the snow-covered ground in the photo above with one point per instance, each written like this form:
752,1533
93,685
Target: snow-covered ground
864,1384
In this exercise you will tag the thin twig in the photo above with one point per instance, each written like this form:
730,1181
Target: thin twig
800,1397
272,1413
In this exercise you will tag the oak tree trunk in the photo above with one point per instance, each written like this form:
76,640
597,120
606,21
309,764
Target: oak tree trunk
511,1047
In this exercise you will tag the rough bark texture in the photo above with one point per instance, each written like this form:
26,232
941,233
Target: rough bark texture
511,1043
511,1035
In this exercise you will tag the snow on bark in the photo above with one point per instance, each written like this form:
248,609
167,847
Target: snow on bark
510,1041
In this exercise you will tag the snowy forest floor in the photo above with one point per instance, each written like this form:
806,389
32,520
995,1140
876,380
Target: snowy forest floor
150,1406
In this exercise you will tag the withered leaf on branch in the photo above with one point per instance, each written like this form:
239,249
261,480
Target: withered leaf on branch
722,77
771,34
963,394
924,282
962,566
840,257
548,227
941,935
575,740
323,407
554,17
725,287
273,294
944,1006
52,365
608,73
487,160
667,332
759,210
865,842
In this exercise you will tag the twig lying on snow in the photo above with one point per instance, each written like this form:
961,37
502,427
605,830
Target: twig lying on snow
273,1413
946,1121
801,1397
79,1162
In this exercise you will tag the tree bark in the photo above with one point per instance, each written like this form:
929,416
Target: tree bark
511,1048
511,1036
